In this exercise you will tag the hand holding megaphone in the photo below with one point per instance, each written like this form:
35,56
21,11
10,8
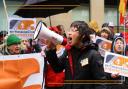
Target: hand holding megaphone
41,32
51,44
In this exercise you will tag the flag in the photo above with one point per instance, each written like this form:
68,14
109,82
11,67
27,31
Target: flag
122,10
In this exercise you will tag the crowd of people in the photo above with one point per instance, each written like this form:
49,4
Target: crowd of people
77,64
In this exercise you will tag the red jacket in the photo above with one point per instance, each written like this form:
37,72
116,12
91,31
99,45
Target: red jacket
54,79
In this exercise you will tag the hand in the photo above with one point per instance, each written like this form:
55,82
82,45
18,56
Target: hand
43,53
51,44
115,75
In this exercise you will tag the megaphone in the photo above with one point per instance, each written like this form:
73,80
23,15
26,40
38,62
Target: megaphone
42,32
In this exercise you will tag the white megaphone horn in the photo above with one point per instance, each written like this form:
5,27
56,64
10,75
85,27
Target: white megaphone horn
41,32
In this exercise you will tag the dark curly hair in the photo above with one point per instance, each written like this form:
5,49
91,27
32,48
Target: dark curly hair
83,29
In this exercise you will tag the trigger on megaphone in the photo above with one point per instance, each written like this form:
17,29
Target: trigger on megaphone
42,32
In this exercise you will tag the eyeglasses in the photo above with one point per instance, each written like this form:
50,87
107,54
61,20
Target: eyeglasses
74,29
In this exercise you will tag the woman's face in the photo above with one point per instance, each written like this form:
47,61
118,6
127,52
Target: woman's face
104,35
74,37
119,46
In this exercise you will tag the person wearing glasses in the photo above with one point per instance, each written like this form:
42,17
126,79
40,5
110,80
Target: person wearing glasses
80,59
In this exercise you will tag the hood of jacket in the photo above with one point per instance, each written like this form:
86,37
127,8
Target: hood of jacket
114,42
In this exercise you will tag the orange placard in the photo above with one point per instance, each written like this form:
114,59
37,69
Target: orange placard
115,63
15,73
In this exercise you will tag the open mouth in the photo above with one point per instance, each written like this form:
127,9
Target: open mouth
69,40
119,48
17,49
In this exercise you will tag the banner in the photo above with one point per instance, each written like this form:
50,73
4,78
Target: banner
22,27
115,63
21,71
104,45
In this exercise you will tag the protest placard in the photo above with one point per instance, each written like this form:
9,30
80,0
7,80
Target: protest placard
104,45
115,63
22,27
21,71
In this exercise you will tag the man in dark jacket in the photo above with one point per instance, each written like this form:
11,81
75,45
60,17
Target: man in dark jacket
81,61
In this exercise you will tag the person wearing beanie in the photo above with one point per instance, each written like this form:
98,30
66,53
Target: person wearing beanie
13,39
105,33
13,45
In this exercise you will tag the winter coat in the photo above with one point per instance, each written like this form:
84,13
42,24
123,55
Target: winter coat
117,86
86,64
52,78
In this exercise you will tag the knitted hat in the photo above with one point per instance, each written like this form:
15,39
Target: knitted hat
107,29
13,39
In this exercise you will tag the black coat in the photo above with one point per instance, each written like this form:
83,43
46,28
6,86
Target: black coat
90,69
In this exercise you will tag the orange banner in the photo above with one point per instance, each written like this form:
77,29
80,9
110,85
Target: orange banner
21,72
